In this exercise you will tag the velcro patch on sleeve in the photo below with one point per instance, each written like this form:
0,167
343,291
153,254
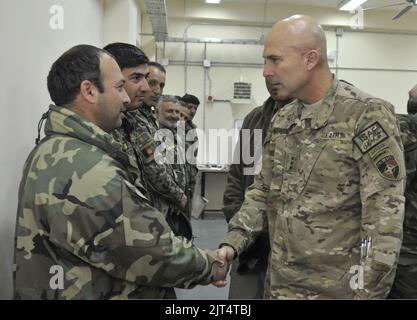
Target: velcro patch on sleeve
387,164
370,137
146,145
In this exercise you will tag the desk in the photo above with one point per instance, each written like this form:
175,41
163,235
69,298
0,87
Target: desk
204,171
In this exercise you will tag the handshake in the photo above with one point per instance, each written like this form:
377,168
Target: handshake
225,254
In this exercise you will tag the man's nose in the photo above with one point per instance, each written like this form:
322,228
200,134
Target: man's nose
157,89
145,85
125,97
268,71
176,116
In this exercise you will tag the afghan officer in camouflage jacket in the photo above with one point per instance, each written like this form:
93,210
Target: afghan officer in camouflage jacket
186,141
248,273
134,65
138,128
84,231
192,103
331,189
172,152
405,283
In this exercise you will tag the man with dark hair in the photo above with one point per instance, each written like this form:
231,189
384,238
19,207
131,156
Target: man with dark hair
191,144
63,90
156,80
135,138
192,104
185,114
84,231
134,65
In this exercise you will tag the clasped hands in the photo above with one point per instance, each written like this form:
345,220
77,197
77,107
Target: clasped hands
225,254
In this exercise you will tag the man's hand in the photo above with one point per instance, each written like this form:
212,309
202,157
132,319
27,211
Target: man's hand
184,202
219,278
226,255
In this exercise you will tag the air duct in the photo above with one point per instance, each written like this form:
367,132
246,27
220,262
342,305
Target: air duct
157,12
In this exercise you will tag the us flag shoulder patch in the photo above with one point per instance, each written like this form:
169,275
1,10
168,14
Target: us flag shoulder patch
370,137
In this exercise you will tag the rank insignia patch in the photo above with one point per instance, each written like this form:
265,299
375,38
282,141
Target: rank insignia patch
370,137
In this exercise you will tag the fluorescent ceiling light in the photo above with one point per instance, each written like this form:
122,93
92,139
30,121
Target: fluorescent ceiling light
213,1
349,5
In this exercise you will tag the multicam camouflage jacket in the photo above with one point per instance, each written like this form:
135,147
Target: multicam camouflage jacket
79,212
137,138
331,195
405,284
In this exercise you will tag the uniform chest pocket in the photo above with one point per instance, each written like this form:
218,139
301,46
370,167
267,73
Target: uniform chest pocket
310,155
327,165
293,162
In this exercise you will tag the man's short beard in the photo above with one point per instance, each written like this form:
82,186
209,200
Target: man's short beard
168,124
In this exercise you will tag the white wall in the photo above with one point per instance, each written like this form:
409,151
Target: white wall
381,51
120,21
359,52
29,47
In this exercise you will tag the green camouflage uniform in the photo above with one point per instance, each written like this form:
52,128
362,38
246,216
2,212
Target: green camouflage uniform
405,284
192,170
180,223
160,184
332,176
79,210
126,135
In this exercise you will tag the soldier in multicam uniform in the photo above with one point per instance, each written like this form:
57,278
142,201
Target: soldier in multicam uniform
248,272
138,129
331,189
405,283
79,211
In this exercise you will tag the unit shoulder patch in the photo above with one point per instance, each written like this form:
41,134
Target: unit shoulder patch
370,137
387,165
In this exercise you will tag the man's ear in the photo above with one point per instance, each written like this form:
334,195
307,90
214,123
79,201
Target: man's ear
88,91
311,59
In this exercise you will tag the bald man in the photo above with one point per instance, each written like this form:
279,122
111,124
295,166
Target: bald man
330,193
